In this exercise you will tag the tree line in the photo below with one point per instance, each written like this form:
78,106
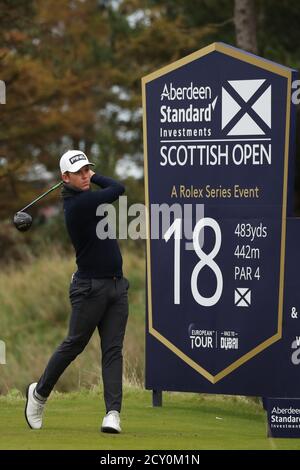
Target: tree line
72,71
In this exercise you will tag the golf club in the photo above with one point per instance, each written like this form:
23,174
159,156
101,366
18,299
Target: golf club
22,220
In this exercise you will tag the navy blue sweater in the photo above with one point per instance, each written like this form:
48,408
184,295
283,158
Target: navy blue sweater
95,258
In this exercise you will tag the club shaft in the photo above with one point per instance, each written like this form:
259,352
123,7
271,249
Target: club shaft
41,196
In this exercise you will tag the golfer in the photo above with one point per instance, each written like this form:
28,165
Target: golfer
98,291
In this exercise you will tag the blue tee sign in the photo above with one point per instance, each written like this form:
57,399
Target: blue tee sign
218,142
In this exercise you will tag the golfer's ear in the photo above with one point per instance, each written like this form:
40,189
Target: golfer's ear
65,177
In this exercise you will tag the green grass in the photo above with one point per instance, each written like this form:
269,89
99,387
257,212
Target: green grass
186,421
34,312
34,316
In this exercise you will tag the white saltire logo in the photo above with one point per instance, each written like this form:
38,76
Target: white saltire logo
242,297
246,107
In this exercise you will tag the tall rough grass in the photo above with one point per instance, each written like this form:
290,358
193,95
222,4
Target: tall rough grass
34,314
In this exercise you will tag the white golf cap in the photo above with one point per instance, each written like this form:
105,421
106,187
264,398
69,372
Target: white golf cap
73,160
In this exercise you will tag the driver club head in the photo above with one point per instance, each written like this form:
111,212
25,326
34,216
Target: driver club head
22,221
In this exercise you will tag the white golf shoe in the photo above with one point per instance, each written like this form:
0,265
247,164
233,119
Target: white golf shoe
111,422
34,408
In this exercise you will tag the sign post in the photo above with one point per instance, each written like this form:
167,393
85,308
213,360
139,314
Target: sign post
221,277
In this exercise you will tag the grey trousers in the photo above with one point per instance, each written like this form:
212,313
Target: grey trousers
96,303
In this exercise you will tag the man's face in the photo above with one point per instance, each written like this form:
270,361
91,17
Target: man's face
80,179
